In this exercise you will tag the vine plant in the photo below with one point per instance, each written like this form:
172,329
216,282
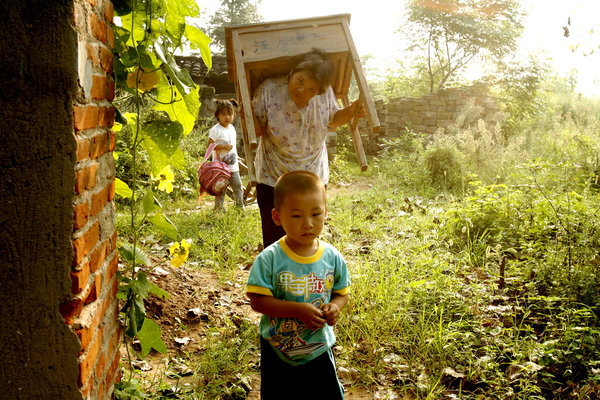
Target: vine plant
147,32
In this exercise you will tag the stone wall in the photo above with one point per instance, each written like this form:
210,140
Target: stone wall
428,114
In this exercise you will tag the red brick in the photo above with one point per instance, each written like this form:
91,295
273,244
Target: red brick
110,36
92,51
99,200
99,87
95,290
98,256
109,12
100,391
87,389
79,279
112,268
106,60
98,28
111,191
113,372
71,310
113,343
106,116
86,365
81,214
99,145
101,367
85,117
83,148
115,287
85,337
110,91
113,141
85,243
85,179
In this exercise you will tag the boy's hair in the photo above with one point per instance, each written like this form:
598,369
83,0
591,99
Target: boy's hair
293,182
229,105
318,66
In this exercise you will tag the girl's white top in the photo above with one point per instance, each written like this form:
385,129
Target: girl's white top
221,135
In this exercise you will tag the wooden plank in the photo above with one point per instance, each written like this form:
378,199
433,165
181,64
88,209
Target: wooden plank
244,94
362,82
286,42
268,28
356,139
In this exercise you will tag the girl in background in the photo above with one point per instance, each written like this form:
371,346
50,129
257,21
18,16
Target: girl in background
224,135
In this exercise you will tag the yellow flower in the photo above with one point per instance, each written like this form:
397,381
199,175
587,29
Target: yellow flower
146,79
180,252
165,179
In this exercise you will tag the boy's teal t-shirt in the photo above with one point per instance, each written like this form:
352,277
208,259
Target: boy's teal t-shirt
281,273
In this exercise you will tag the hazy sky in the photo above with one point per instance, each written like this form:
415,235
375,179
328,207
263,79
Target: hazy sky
374,24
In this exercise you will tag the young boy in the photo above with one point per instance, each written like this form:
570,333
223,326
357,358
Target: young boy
299,284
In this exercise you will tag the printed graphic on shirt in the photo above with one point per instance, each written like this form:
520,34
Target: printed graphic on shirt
304,285
287,335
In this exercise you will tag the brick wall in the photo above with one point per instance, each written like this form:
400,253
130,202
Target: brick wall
92,312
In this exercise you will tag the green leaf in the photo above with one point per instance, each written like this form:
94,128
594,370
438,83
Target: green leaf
136,313
181,78
199,40
149,203
164,225
166,134
159,160
183,109
149,337
158,291
122,189
140,285
126,253
137,22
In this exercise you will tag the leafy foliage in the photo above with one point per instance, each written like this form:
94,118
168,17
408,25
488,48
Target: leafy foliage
232,12
165,104
451,34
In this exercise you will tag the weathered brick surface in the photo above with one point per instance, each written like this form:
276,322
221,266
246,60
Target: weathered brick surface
99,87
85,117
86,242
81,215
93,310
80,278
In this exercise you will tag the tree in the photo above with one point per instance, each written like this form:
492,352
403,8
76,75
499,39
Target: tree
232,12
451,34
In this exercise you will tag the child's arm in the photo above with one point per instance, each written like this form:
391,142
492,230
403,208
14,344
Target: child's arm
305,312
331,310
221,146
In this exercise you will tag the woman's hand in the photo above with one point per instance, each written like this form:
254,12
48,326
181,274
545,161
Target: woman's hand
354,110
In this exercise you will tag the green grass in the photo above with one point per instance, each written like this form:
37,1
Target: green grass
482,284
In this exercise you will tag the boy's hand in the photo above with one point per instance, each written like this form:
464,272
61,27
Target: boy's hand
331,312
311,316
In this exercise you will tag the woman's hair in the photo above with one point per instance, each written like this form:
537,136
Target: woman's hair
318,66
293,182
229,105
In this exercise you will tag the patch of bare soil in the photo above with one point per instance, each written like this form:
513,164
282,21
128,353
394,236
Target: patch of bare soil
198,302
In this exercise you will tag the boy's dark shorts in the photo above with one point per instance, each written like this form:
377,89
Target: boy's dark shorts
316,379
